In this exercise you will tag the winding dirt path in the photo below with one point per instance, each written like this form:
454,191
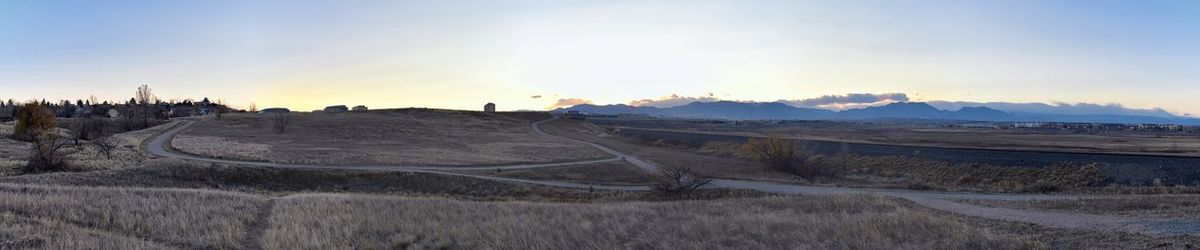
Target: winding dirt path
936,200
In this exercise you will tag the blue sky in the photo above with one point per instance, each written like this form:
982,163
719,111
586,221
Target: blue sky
460,54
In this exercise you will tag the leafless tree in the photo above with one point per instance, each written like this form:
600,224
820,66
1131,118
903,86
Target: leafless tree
253,108
86,128
220,107
46,155
145,100
281,121
678,180
105,145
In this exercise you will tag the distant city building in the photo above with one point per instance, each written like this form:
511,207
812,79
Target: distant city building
336,109
574,114
275,111
360,108
489,107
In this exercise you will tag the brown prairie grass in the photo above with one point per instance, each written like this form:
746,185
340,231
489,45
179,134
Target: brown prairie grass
667,156
613,173
169,173
83,157
385,137
1146,206
19,232
189,218
321,221
913,171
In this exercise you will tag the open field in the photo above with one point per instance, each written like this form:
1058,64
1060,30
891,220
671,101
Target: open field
128,151
384,137
176,218
853,222
939,135
1127,169
1157,206
281,208
168,173
711,166
610,173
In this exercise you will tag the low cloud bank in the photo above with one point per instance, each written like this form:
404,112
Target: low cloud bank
568,102
848,101
672,101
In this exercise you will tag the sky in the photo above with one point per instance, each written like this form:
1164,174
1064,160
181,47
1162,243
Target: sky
533,54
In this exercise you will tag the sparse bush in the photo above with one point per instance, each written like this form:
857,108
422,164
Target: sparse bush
47,155
777,152
678,180
104,145
280,121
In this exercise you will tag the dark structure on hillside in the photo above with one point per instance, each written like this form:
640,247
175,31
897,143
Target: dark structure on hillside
359,108
489,107
275,111
336,109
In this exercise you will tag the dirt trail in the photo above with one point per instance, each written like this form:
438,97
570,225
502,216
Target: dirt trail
936,200
259,226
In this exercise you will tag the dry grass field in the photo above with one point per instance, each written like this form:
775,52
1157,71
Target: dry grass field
1009,139
707,165
133,217
1142,206
383,137
1108,142
611,173
334,221
83,157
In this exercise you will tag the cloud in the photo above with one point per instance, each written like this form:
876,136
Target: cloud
568,102
672,101
1058,108
536,96
848,101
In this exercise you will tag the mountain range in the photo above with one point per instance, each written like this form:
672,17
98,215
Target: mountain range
731,110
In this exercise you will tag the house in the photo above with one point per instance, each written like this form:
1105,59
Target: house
489,107
113,113
336,109
6,115
275,111
360,108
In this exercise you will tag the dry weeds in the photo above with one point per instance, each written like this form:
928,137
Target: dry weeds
221,148
385,137
612,173
332,221
190,218
707,165
1143,206
18,232
85,157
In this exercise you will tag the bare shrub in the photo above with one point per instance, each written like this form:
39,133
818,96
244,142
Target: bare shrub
105,145
86,128
280,121
678,180
47,155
